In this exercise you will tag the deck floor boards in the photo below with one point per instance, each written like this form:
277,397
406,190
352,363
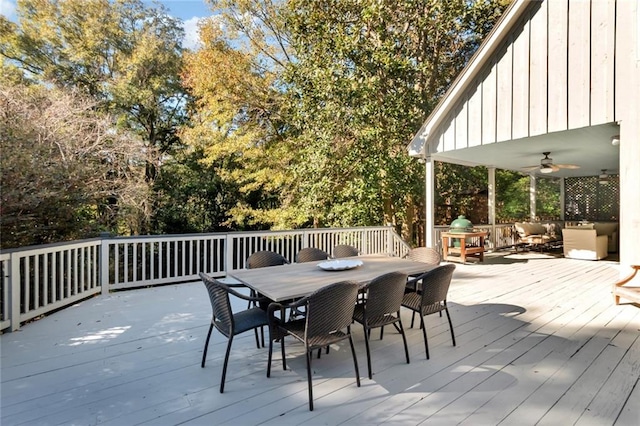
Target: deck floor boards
539,341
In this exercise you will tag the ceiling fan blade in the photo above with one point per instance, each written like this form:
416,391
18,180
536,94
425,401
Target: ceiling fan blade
530,168
567,166
554,167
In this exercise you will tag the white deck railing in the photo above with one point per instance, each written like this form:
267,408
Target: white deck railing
40,279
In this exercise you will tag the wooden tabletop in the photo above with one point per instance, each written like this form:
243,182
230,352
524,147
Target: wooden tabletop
284,282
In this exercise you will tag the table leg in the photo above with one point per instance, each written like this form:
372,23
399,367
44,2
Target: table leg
445,247
482,251
463,250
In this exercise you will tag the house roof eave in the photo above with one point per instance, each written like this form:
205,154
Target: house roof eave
417,147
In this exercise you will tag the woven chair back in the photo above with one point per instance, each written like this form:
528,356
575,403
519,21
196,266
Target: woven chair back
435,284
385,293
425,255
311,254
220,304
345,250
265,258
331,308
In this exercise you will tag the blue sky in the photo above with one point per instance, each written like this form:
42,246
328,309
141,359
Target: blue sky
190,11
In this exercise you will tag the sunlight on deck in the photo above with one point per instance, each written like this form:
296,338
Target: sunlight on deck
538,340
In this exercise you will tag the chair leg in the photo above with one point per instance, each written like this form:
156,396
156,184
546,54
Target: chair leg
206,346
381,332
413,317
270,356
284,360
404,337
424,335
453,338
224,366
366,345
255,331
309,384
355,358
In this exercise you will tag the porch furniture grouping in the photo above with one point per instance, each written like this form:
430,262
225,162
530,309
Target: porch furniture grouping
328,301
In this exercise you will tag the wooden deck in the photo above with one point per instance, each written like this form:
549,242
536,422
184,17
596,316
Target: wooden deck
539,342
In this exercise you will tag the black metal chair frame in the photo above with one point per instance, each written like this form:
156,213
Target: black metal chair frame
430,297
228,323
380,306
329,312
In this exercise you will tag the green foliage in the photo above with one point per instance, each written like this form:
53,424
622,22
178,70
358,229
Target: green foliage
191,196
512,196
124,55
121,53
66,173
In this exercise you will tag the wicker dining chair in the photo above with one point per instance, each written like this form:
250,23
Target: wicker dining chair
329,313
311,254
380,306
345,250
263,259
228,323
425,255
431,297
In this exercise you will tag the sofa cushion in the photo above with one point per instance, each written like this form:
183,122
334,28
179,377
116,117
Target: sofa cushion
537,229
521,229
605,228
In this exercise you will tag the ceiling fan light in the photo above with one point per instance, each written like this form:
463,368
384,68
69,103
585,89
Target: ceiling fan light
603,178
546,169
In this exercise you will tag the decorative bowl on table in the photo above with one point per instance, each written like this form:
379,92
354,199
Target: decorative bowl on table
339,264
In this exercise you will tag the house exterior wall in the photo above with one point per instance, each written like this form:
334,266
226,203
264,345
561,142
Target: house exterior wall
627,88
555,71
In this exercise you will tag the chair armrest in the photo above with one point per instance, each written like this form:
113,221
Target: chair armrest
244,296
414,282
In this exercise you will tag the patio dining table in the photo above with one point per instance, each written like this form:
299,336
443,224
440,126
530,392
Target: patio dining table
285,282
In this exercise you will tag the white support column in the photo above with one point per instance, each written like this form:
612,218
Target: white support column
532,197
492,204
429,222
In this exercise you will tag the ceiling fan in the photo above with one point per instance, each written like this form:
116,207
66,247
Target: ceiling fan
547,165
605,177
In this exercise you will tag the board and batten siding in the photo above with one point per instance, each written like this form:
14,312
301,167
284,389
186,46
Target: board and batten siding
555,72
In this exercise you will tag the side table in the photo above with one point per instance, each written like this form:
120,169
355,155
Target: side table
465,249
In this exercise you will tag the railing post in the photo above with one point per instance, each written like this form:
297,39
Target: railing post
104,262
390,250
365,245
14,291
228,257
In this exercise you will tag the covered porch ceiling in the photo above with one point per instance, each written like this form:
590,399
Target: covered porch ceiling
590,148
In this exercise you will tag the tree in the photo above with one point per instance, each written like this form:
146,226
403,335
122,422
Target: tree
124,55
235,113
366,75
313,103
65,171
